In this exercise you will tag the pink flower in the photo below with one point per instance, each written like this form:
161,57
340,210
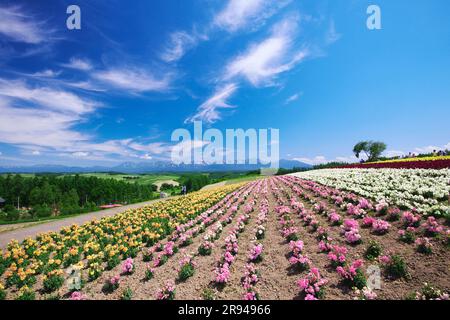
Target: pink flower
250,296
380,226
303,283
229,257
350,224
368,221
255,252
222,273
127,266
385,259
76,295
352,236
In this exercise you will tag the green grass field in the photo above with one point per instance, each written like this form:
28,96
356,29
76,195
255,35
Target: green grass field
139,178
244,179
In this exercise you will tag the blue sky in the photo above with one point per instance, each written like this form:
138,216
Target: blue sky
116,89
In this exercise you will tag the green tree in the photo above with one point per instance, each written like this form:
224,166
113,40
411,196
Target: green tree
372,149
11,213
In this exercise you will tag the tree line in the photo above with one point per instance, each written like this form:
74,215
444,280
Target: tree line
50,194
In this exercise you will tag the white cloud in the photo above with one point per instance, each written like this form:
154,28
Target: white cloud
154,148
237,13
36,153
208,111
428,149
179,43
132,79
312,161
394,153
447,146
48,73
240,14
293,98
146,157
55,99
322,159
263,61
19,27
78,64
37,127
86,85
80,154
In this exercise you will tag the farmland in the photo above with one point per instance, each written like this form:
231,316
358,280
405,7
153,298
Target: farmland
286,237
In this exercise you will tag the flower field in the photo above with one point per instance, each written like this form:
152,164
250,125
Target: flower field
279,238
438,162
423,190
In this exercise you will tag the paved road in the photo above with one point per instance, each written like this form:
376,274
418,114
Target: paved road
32,230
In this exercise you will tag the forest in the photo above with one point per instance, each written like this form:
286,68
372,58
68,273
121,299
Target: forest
52,195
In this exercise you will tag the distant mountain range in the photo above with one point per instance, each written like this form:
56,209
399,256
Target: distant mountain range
148,167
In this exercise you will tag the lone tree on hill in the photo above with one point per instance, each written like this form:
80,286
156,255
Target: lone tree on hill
372,149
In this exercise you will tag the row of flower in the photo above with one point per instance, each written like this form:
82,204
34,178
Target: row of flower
187,263
413,228
415,163
252,275
312,286
415,159
217,217
426,191
351,272
100,245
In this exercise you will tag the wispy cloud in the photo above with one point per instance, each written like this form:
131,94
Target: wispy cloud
55,99
179,43
322,159
238,14
18,26
86,85
78,64
48,73
41,116
133,79
265,60
209,110
312,161
293,98
30,126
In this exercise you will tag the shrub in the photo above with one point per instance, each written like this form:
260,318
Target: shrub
395,266
26,293
11,213
2,292
208,294
111,284
167,292
424,245
113,262
53,280
127,294
408,235
186,268
373,250
205,249
43,211
149,273
353,276
429,292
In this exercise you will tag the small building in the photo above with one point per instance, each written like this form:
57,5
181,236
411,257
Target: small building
2,202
